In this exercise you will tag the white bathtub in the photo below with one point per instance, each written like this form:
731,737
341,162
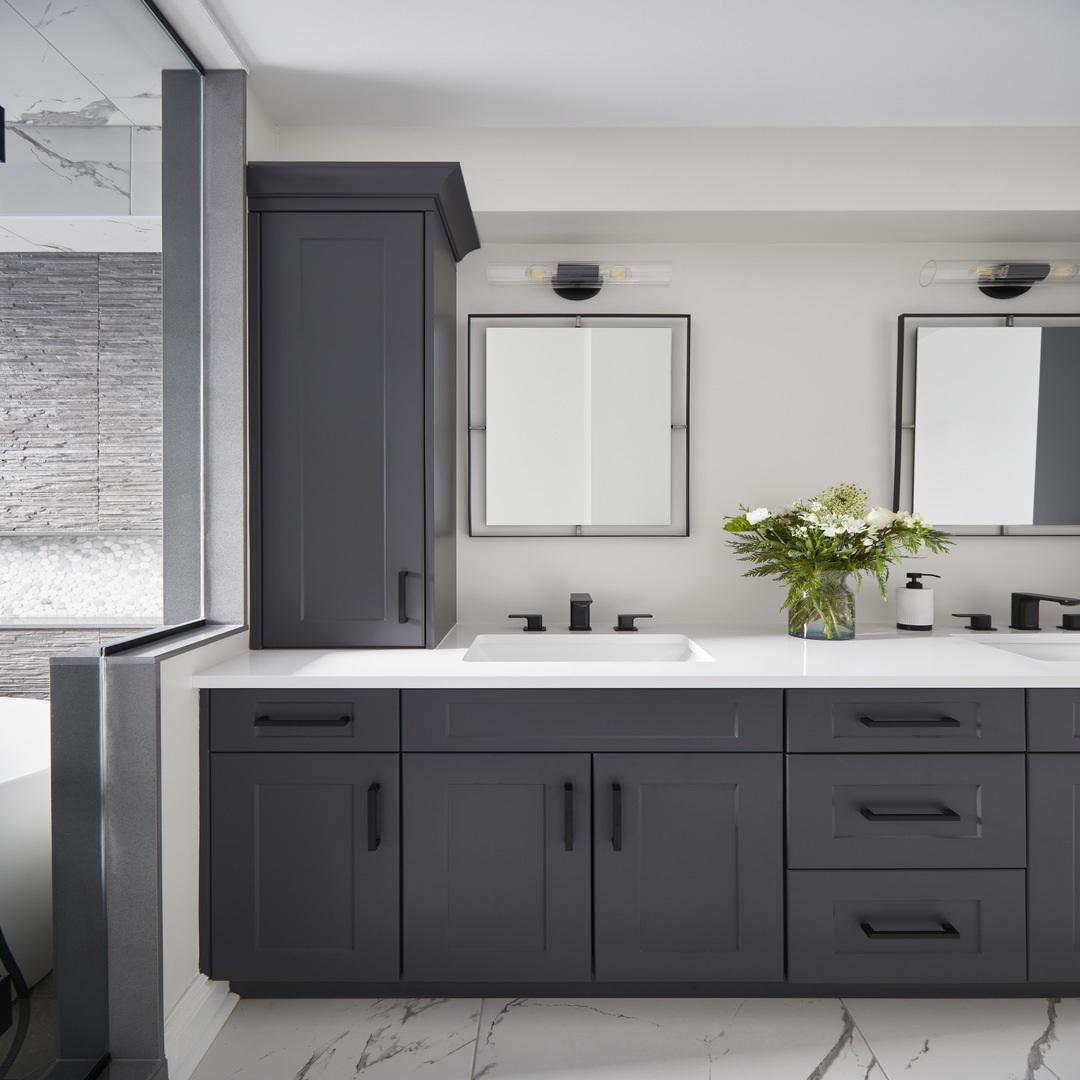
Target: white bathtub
26,835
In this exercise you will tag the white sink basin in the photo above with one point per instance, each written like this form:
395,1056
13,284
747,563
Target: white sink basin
589,648
1052,648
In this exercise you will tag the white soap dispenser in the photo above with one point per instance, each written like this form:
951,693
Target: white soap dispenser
915,605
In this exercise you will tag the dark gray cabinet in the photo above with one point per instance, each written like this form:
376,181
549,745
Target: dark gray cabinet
496,875
552,838
304,864
688,856
352,270
1054,867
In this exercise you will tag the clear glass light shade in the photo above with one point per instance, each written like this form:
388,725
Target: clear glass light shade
1000,272
579,273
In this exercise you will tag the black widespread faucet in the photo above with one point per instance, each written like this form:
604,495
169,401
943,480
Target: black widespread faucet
579,611
1025,608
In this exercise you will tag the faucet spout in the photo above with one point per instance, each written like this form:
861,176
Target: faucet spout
579,611
1025,608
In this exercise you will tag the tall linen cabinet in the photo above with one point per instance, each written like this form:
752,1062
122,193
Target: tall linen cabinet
353,333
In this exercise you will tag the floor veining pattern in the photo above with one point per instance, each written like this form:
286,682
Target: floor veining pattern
648,1039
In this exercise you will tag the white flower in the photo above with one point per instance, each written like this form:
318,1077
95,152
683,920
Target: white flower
854,525
760,514
879,517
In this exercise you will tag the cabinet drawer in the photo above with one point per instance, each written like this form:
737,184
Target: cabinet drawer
913,926
847,721
587,720
303,720
1054,720
897,810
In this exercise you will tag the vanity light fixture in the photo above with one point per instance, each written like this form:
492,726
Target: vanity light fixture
1001,278
579,280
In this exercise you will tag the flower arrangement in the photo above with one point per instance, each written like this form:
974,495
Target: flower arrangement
811,544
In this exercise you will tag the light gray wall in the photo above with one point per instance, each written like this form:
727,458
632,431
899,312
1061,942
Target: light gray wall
792,379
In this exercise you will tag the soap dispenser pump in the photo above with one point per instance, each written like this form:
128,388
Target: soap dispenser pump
915,604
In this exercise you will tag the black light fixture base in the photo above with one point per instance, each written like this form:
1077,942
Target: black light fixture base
1004,292
576,292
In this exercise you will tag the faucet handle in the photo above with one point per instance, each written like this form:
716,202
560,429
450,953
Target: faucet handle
532,622
626,622
979,621
1069,622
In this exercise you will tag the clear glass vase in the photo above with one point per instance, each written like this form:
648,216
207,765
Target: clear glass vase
824,610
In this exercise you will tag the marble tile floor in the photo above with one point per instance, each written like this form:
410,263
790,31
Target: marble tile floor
648,1039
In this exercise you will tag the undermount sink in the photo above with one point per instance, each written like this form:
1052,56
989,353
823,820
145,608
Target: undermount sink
585,648
1052,648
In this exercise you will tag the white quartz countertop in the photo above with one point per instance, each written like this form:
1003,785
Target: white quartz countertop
738,656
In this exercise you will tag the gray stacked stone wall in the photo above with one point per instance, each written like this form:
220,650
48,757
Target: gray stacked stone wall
80,451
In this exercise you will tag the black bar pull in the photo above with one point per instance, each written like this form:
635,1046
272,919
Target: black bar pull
302,721
402,595
947,931
568,817
944,814
373,817
938,722
616,817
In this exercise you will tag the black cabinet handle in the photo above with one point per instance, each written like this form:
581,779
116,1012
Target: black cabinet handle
616,817
941,721
402,595
302,721
568,817
373,817
944,814
947,931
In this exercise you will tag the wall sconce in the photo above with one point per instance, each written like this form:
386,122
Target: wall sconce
579,280
1001,278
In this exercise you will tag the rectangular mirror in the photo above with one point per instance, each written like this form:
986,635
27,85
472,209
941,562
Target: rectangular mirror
988,440
578,428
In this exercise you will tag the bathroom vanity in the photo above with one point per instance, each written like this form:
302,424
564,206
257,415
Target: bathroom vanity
886,815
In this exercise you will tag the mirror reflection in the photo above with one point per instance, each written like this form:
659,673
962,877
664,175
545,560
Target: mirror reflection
996,437
578,429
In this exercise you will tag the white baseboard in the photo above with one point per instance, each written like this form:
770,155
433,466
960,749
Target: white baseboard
193,1024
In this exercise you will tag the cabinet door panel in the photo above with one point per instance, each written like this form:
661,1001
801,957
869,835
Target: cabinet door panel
906,926
689,884
860,811
1054,866
583,720
342,428
904,721
296,892
496,869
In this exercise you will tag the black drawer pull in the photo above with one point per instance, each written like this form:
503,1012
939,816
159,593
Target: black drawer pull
941,721
568,817
302,721
402,595
616,817
947,931
373,817
944,814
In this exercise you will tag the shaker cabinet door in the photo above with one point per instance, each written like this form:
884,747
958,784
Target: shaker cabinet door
1053,877
688,867
496,867
341,331
304,867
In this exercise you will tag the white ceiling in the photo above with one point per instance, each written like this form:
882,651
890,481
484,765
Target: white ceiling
656,63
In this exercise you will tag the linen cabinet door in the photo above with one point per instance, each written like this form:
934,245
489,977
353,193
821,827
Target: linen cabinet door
688,867
304,867
340,300
496,867
1054,867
